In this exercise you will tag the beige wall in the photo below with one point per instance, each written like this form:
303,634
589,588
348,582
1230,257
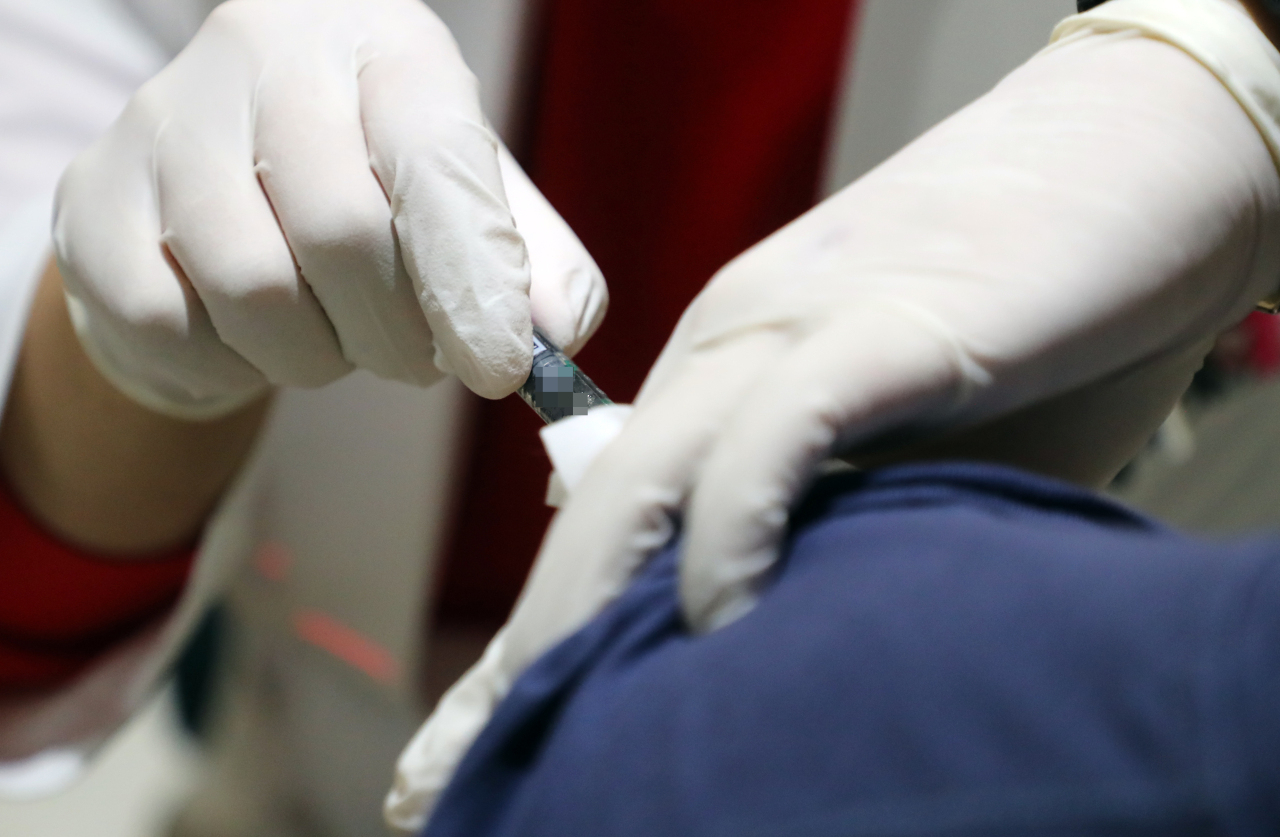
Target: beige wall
918,61
490,37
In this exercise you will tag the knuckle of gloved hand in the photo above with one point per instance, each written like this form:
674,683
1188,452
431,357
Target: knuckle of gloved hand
67,206
148,108
159,310
257,28
246,276
241,17
346,233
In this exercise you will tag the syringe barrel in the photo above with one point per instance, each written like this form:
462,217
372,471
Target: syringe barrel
556,387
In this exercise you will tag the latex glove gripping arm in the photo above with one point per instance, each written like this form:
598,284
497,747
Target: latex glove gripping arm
310,187
1110,203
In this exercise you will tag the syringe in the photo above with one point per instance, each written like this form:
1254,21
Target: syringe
556,387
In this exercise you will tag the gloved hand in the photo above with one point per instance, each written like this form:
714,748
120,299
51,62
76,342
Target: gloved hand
309,187
1109,205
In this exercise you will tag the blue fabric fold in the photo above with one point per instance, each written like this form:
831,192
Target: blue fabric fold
952,649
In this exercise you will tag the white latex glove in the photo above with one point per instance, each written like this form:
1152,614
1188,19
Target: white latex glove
309,187
1111,203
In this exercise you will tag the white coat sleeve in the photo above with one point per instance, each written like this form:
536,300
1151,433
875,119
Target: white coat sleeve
67,67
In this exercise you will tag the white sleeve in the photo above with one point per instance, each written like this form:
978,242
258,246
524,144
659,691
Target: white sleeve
67,67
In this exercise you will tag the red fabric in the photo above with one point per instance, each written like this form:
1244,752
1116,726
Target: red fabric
1264,346
61,606
672,135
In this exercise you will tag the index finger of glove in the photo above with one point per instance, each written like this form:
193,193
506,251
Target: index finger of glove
567,291
437,160
854,378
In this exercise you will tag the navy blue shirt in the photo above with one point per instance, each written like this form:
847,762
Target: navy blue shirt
944,650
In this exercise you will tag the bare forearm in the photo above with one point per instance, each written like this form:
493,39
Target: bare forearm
95,467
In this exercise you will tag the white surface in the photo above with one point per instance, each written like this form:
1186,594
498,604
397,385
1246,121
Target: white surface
42,775
572,444
66,69
131,790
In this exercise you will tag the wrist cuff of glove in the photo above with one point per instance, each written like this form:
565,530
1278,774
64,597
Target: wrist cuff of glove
174,401
1220,35
1272,6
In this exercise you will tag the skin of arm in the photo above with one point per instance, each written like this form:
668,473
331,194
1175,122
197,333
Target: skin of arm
95,468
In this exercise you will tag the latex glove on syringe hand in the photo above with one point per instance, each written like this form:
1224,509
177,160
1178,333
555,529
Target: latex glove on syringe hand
1111,205
308,188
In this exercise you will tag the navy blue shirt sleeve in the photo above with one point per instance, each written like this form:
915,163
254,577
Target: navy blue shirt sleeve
945,650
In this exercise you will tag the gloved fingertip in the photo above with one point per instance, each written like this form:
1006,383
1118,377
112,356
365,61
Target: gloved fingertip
726,562
589,299
492,368
570,307
725,612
